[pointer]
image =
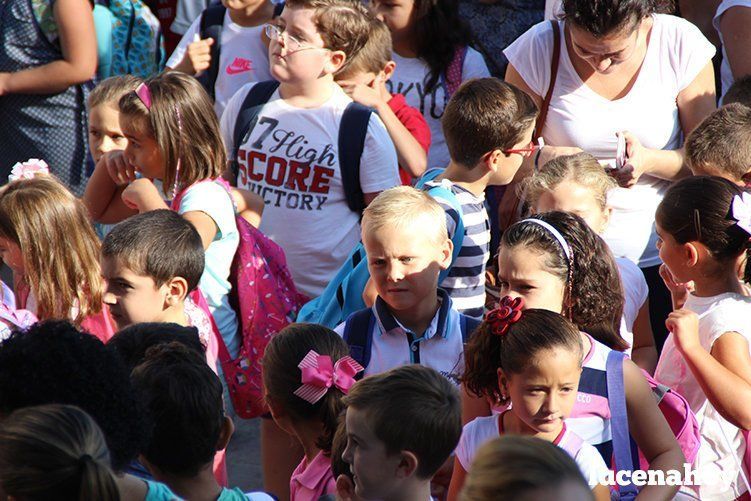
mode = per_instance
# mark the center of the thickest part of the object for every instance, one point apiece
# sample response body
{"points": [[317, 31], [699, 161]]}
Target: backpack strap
{"points": [[352, 131], [452, 77], [553, 77], [247, 118], [358, 334], [428, 176], [467, 325], [619, 420], [458, 238], [212, 22]]}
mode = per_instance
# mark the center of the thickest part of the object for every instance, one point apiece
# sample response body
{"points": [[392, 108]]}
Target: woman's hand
{"points": [[636, 162]]}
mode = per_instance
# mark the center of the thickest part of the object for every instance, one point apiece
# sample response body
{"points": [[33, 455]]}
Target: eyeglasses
{"points": [[525, 152], [274, 32]]}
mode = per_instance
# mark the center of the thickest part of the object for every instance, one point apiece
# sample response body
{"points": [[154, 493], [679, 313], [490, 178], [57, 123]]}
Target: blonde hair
{"points": [[55, 452], [112, 89], [580, 168], [183, 123], [510, 466], [374, 55], [402, 207], [59, 247]]}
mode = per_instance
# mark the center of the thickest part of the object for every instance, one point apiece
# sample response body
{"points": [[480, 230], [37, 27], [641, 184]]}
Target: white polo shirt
{"points": [[440, 347]]}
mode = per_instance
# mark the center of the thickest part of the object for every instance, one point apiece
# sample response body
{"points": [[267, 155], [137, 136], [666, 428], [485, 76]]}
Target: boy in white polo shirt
{"points": [[412, 320]]}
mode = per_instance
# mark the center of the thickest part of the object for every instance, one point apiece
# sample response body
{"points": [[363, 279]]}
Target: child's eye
{"points": [[407, 259], [377, 262], [94, 133]]}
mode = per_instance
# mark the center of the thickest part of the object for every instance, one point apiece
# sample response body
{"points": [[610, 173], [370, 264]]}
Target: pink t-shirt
{"points": [[312, 480]]}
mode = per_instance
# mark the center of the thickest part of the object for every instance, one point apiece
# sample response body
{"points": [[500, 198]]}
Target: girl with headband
{"points": [[555, 262], [306, 372], [537, 362]]}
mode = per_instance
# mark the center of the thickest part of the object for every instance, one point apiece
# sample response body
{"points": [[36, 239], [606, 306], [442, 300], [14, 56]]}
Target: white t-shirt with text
{"points": [[243, 58], [291, 159]]}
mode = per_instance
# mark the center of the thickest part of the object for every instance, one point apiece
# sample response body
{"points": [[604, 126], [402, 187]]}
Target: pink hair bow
{"points": [[28, 169], [319, 374]]}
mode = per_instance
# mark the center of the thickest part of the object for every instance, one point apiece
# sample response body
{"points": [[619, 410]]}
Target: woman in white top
{"points": [[733, 23], [623, 69]]}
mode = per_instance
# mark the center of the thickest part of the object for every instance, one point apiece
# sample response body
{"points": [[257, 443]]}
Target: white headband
{"points": [[554, 232]]}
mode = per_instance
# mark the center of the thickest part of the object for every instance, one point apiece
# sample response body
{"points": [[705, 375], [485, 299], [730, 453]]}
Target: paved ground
{"points": [[244, 455]]}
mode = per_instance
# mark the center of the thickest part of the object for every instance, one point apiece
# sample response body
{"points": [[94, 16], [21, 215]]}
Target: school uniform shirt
{"points": [[578, 116], [635, 293], [291, 159], [409, 79], [244, 58], [722, 444], [465, 281], [415, 123], [440, 347], [484, 429], [312, 480]]}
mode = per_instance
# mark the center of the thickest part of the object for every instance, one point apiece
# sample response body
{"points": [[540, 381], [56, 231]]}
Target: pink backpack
{"points": [[265, 300]]}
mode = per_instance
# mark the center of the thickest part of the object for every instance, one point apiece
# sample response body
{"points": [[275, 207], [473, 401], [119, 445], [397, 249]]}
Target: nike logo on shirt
{"points": [[239, 65]]}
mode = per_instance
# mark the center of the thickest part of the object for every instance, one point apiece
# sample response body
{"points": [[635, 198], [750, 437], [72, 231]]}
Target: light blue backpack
{"points": [[137, 40]]}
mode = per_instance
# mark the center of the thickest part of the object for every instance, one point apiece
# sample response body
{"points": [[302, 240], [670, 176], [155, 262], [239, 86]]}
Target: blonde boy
{"points": [[412, 320]]}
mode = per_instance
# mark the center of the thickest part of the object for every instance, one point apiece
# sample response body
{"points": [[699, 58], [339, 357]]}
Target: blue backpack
{"points": [[343, 294], [358, 333], [352, 131], [137, 40]]}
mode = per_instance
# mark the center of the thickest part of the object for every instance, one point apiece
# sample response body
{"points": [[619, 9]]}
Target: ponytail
{"points": [[97, 481]]}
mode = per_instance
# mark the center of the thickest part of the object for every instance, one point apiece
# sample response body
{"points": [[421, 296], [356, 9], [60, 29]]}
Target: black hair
{"points": [[53, 362], [606, 17], [282, 376], [184, 398], [513, 351], [159, 244], [699, 209], [594, 294], [132, 343]]}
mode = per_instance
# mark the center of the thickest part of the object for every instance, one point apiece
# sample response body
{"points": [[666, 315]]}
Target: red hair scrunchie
{"points": [[507, 313]]}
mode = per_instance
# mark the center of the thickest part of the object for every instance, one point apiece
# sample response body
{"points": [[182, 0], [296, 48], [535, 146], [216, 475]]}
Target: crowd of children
{"points": [[290, 223]]}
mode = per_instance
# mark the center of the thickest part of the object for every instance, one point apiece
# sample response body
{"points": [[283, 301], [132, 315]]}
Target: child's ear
{"points": [[502, 383], [407, 466], [225, 434], [387, 71], [691, 252], [345, 488], [494, 160], [447, 250], [177, 290], [335, 62]]}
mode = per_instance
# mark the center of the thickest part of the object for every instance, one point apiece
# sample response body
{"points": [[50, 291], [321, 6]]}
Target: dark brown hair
{"points": [[739, 92], [183, 123], [159, 244], [344, 25], [699, 209], [412, 408], [536, 330], [721, 144], [54, 452], [483, 115], [594, 296], [282, 376], [607, 17]]}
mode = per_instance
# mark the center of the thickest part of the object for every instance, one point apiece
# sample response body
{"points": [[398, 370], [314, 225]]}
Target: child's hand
{"points": [[118, 167], [635, 166], [684, 324], [679, 291], [198, 56], [367, 95], [143, 196]]}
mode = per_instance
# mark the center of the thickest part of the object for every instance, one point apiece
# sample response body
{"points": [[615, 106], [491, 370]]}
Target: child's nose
{"points": [[109, 298], [396, 273]]}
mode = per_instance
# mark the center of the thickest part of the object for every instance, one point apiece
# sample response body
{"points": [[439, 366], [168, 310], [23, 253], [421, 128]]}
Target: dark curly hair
{"points": [[281, 376], [594, 295], [606, 17], [513, 351], [132, 343], [53, 362]]}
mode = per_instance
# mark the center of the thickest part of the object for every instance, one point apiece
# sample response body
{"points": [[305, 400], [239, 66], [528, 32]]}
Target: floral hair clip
{"points": [[319, 374], [28, 169], [508, 312], [741, 211]]}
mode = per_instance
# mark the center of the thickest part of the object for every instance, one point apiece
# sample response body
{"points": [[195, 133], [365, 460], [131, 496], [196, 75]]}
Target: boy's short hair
{"points": [[132, 343], [739, 92], [112, 89], [344, 25], [483, 115], [401, 207], [721, 144], [374, 55], [412, 408], [159, 244], [184, 398]]}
